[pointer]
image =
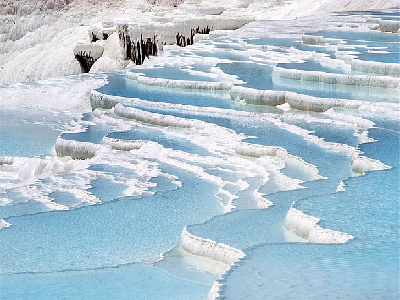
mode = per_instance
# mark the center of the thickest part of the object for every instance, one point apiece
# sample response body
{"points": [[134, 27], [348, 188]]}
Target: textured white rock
{"points": [[4, 224], [259, 97], [156, 119], [306, 227], [362, 164], [210, 249], [334, 78], [391, 69], [180, 84], [76, 149], [123, 145], [389, 26]]}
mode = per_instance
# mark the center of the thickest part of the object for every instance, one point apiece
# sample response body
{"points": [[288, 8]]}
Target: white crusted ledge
{"points": [[335, 78], [76, 149], [210, 249], [306, 227]]}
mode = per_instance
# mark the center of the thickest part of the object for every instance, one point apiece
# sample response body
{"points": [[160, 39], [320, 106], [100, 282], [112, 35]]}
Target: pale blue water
{"points": [[310, 65], [226, 44], [272, 41], [315, 48], [136, 281], [369, 36], [21, 208], [391, 18], [364, 268], [34, 135], [127, 88], [107, 190], [318, 89], [365, 42], [333, 133], [374, 51], [93, 133], [65, 198], [254, 75], [234, 56], [112, 249], [175, 73], [381, 14], [154, 134], [110, 234]]}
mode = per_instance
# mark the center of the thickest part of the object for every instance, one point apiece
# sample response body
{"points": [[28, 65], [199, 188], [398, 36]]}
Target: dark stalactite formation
{"points": [[86, 61], [125, 42], [140, 49], [94, 37], [183, 41]]}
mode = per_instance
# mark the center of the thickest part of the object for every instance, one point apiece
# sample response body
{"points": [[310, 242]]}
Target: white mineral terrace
{"points": [[332, 78], [155, 118], [306, 227], [76, 149], [123, 145], [391, 69], [389, 26], [210, 249], [4, 224], [180, 84], [254, 150]]}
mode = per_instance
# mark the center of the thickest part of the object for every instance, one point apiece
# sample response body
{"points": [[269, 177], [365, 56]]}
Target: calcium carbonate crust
{"points": [[209, 248], [333, 78], [306, 227], [180, 84], [257, 151], [76, 149], [4, 224]]}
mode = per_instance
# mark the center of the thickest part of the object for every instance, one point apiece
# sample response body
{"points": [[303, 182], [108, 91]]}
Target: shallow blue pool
{"points": [[120, 86], [174, 73], [30, 128]]}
